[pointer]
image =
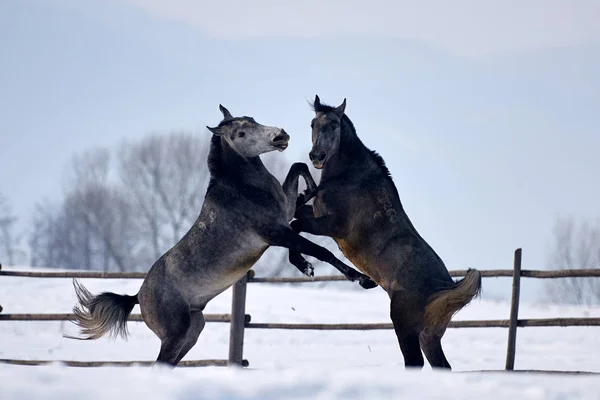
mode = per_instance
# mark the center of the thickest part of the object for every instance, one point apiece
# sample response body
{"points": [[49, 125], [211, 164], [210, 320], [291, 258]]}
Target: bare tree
{"points": [[100, 214], [43, 251], [8, 239], [93, 227], [166, 177], [575, 245]]}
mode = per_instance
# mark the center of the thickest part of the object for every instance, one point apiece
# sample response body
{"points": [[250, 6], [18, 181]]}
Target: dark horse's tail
{"points": [[444, 304], [101, 314]]}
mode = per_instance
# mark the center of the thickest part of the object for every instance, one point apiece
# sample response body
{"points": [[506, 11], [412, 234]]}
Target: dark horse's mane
{"points": [[324, 108]]}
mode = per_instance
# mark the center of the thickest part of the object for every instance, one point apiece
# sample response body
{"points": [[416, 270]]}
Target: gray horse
{"points": [[357, 204], [245, 211]]}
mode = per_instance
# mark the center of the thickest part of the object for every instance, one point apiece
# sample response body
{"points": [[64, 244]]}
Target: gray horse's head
{"points": [[326, 132], [249, 138]]}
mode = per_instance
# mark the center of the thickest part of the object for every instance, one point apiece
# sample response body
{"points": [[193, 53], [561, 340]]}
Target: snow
{"points": [[295, 364]]}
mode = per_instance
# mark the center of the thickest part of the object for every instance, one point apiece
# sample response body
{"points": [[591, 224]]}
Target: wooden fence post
{"points": [[238, 322], [514, 312]]}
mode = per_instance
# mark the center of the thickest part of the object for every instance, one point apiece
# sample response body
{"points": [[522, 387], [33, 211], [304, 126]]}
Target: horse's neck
{"points": [[352, 156], [251, 171]]}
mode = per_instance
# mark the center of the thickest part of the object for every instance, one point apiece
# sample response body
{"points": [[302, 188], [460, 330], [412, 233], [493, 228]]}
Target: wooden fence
{"points": [[239, 320]]}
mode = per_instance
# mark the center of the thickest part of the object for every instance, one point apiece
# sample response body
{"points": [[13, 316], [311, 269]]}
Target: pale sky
{"points": [[487, 113], [471, 28]]}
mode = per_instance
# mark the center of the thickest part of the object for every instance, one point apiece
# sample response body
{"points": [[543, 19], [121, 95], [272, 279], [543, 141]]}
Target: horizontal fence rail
{"points": [[489, 273], [188, 363], [226, 318], [76, 274], [493, 323], [132, 317]]}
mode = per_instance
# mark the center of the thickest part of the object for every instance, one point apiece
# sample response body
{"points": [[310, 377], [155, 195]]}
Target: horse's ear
{"points": [[217, 131], [226, 114], [339, 111], [317, 102]]}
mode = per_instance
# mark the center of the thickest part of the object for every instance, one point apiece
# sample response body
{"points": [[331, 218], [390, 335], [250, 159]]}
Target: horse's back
{"points": [[379, 238]]}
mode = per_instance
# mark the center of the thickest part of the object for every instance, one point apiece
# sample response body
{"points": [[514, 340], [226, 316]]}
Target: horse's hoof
{"points": [[367, 283], [308, 270]]}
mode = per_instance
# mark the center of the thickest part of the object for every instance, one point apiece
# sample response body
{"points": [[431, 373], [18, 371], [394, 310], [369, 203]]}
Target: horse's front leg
{"points": [[286, 237], [297, 202], [295, 257], [290, 187], [304, 212], [323, 226], [326, 225]]}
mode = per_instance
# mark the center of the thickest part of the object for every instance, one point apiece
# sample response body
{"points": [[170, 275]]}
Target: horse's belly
{"points": [[236, 264], [357, 255], [222, 269]]}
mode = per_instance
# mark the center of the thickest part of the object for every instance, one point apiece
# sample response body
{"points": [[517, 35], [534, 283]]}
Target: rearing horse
{"points": [[357, 204]]}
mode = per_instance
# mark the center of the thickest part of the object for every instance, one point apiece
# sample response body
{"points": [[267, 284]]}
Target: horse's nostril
{"points": [[316, 156], [280, 138]]}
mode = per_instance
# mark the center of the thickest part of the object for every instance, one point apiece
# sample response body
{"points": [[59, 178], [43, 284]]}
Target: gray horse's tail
{"points": [[444, 304], [101, 314]]}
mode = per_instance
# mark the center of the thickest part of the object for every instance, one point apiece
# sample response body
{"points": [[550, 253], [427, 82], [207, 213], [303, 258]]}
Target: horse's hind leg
{"points": [[169, 317], [174, 338], [407, 319], [431, 343], [196, 327]]}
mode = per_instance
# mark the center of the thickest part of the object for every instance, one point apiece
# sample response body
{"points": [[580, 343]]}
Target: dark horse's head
{"points": [[247, 137], [326, 132]]}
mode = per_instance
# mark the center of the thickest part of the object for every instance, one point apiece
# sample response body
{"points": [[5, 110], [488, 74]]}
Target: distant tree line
{"points": [[575, 245], [122, 208], [10, 250]]}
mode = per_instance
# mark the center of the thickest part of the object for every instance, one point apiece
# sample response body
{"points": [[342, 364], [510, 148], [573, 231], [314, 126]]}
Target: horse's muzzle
{"points": [[317, 158], [280, 141]]}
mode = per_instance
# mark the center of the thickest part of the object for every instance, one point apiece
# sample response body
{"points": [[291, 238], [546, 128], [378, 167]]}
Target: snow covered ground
{"points": [[292, 364]]}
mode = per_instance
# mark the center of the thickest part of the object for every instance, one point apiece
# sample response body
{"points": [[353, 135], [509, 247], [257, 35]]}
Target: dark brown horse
{"points": [[357, 205]]}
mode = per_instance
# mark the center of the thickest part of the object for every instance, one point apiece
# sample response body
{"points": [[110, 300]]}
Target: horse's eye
{"points": [[241, 134]]}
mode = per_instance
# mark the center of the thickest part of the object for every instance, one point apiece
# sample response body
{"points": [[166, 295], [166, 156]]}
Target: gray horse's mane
{"points": [[215, 156]]}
